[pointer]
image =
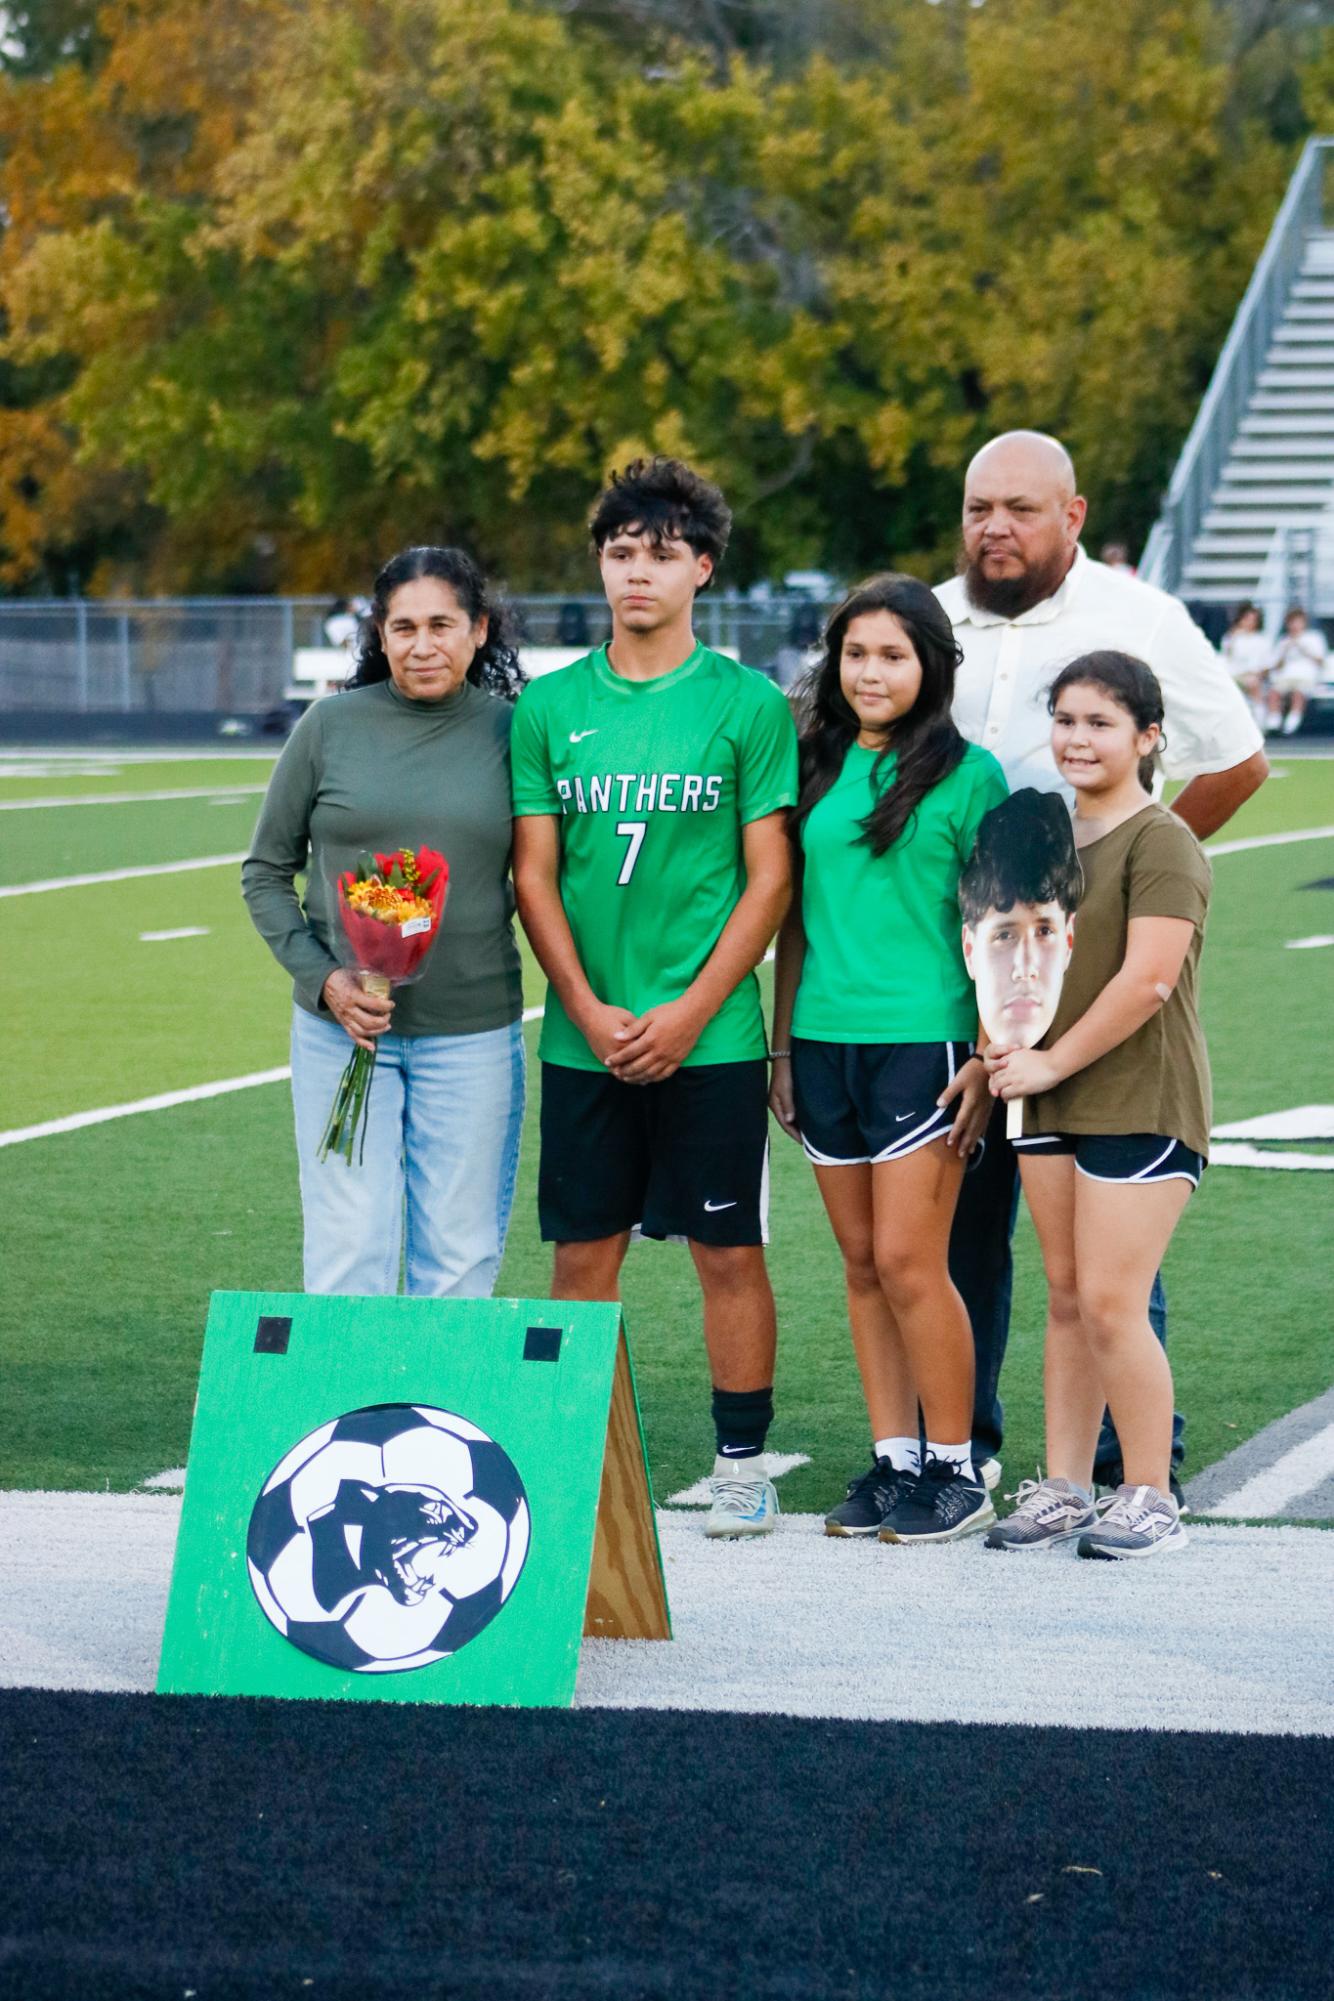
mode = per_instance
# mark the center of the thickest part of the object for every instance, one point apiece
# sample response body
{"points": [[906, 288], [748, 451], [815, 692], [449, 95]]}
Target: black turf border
{"points": [[164, 1847]]}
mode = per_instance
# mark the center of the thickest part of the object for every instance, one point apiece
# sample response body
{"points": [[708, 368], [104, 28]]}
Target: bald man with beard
{"points": [[1029, 599]]}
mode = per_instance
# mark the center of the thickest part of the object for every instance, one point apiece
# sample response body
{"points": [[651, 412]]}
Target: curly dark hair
{"points": [[495, 665], [1125, 680], [1024, 853], [667, 501], [927, 744]]}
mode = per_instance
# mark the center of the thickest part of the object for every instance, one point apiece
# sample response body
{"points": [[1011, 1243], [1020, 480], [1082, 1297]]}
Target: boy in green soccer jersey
{"points": [[652, 782]]}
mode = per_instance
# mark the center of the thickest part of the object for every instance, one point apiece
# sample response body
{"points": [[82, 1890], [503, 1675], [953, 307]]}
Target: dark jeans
{"points": [[982, 1267]]}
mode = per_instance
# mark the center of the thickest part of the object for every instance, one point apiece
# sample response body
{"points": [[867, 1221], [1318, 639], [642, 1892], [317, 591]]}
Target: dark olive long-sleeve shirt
{"points": [[373, 770]]}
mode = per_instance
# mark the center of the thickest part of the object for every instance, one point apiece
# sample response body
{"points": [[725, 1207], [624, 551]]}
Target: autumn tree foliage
{"points": [[288, 283]]}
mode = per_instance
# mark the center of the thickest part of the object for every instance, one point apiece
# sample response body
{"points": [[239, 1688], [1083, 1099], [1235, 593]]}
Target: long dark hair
{"points": [[1129, 683], [926, 741], [495, 665]]}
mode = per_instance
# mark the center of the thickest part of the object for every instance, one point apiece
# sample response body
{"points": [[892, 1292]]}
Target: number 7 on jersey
{"points": [[632, 831]]}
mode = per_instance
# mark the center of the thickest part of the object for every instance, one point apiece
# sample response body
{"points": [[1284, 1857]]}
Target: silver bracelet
{"points": [[779, 1055]]}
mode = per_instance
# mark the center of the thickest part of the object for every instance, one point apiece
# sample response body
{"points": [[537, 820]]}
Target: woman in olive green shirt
{"points": [[1116, 1118], [414, 753]]}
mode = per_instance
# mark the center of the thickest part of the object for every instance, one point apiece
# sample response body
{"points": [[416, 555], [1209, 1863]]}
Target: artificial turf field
{"points": [[242, 1850], [116, 1233]]}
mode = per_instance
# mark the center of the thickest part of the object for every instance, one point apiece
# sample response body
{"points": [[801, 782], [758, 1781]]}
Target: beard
{"points": [[1011, 597]]}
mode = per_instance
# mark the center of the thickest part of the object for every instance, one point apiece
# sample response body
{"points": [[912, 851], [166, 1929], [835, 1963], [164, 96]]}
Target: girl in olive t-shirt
{"points": [[875, 1021], [1116, 1118]]}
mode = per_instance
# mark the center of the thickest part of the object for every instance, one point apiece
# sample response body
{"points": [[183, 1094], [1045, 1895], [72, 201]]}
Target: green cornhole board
{"points": [[410, 1500]]}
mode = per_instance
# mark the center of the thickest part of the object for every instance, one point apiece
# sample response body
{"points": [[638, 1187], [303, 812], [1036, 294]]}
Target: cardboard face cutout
{"points": [[1018, 895], [1017, 958]]}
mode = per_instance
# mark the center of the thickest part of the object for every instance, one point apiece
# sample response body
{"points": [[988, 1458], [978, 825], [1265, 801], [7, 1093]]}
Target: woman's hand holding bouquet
{"points": [[389, 907]]}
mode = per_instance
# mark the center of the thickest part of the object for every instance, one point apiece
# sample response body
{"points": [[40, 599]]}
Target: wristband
{"points": [[780, 1055]]}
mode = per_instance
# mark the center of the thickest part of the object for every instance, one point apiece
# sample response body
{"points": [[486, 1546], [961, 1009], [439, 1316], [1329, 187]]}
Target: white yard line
{"points": [[1269, 841], [1310, 944], [134, 798], [1302, 1122], [163, 1101], [1268, 1493], [68, 759], [185, 931], [1230, 1154], [121, 875]]}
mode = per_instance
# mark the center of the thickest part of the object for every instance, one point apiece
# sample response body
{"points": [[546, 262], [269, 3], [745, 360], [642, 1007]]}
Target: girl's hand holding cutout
{"points": [[1021, 1073]]}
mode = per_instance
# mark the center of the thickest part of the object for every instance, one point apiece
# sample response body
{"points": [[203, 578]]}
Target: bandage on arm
{"points": [[1156, 949]]}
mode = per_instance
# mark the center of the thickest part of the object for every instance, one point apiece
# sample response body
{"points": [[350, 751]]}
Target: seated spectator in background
{"points": [[572, 624], [1117, 557], [1299, 661], [344, 623], [1249, 656], [799, 650]]}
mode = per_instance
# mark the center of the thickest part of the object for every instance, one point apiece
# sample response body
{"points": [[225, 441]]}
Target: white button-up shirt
{"points": [[1000, 698]]}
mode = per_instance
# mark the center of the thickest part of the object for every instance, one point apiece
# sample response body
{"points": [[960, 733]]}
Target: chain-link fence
{"points": [[234, 656]]}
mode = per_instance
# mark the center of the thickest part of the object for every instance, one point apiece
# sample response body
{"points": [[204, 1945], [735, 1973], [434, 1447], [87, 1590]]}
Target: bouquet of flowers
{"points": [[390, 908]]}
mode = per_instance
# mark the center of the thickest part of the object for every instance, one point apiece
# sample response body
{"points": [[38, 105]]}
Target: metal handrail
{"points": [[1235, 374]]}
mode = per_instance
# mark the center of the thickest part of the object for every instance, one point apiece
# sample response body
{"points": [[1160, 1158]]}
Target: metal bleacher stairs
{"points": [[1249, 512]]}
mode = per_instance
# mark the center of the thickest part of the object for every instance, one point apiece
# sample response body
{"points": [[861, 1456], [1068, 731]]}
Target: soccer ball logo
{"points": [[388, 1538]]}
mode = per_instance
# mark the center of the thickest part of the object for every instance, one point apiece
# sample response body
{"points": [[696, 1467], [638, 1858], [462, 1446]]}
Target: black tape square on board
{"points": [[541, 1344], [272, 1334]]}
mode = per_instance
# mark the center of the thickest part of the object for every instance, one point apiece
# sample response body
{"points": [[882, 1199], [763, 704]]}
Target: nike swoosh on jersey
{"points": [[712, 1208], [577, 736], [899, 1117]]}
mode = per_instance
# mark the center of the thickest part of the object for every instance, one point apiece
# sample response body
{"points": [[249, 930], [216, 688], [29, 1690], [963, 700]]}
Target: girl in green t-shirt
{"points": [[1116, 1119], [875, 1023]]}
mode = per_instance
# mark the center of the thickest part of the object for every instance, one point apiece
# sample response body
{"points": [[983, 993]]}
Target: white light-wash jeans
{"points": [[437, 1178]]}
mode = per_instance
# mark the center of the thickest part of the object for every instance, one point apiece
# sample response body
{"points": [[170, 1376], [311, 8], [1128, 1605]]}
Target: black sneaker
{"points": [[939, 1506], [869, 1499]]}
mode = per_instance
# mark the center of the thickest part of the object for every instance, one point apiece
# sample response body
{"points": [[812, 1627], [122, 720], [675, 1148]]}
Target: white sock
{"points": [[903, 1454], [960, 1457], [754, 1468]]}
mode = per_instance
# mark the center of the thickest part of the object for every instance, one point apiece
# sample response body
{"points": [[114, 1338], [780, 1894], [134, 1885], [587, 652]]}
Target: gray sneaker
{"points": [[741, 1507], [1135, 1521], [1049, 1513]]}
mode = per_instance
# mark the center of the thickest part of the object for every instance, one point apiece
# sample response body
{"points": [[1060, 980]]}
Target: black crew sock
{"points": [[741, 1420]]}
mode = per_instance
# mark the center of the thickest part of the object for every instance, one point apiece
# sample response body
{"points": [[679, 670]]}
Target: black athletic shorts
{"points": [[860, 1102], [1121, 1156], [685, 1158]]}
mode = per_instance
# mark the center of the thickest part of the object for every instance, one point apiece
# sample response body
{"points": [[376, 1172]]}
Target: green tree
{"points": [[291, 282]]}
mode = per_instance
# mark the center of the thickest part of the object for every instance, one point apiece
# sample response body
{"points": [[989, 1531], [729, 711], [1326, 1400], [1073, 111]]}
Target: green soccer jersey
{"points": [[884, 951], [653, 782]]}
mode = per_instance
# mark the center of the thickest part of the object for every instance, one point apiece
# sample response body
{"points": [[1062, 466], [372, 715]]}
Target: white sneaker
{"points": [[989, 1473], [1292, 722], [1136, 1521], [741, 1507]]}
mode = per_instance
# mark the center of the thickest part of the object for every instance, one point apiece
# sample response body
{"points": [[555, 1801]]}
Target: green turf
{"points": [[63, 776], [120, 1019], [115, 1235], [41, 846], [1300, 794]]}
